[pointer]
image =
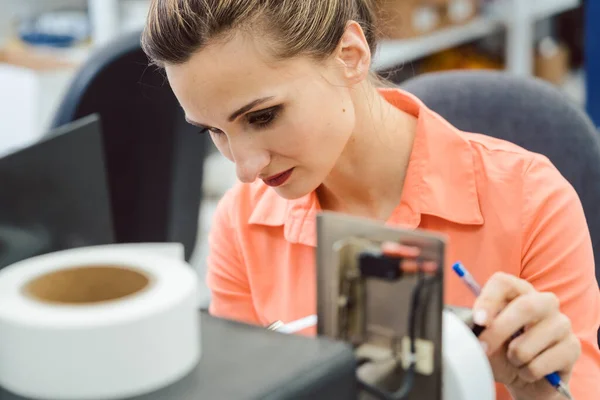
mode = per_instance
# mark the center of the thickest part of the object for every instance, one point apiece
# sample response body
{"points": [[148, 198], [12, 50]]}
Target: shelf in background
{"points": [[516, 15], [574, 87], [396, 52], [547, 8], [532, 10]]}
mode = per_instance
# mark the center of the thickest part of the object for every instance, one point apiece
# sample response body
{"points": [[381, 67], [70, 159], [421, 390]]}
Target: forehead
{"points": [[229, 74]]}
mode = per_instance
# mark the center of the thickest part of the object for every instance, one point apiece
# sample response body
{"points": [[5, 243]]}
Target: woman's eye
{"points": [[260, 119], [263, 118], [214, 131]]}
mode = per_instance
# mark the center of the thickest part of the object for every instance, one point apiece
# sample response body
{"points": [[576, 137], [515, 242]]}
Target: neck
{"points": [[369, 176]]}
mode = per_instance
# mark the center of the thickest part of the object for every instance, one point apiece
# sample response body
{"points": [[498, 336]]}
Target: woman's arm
{"points": [[557, 257], [227, 279], [556, 298]]}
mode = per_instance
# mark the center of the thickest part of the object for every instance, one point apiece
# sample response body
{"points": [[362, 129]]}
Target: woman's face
{"points": [[285, 122]]}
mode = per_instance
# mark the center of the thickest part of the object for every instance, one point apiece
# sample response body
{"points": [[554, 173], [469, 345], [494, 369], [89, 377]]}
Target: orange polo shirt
{"points": [[502, 208]]}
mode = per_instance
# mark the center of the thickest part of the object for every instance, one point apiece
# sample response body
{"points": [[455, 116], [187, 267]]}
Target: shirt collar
{"points": [[440, 181]]}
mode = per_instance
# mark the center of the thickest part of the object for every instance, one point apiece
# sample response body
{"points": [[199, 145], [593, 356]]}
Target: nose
{"points": [[249, 162]]}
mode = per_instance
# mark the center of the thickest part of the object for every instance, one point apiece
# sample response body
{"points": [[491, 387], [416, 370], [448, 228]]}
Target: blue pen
{"points": [[467, 278]]}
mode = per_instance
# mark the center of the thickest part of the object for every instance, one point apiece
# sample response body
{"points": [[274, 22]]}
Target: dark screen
{"points": [[54, 195]]}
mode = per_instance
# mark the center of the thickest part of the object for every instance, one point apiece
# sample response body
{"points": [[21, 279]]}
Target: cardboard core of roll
{"points": [[87, 284]]}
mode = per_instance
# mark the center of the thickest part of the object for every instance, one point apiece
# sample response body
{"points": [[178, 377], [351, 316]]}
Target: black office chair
{"points": [[530, 113], [154, 158]]}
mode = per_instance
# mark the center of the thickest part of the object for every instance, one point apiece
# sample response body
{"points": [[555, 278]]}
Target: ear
{"points": [[353, 54]]}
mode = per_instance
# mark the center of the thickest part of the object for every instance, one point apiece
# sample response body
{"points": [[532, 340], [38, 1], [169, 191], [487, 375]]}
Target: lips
{"points": [[279, 179]]}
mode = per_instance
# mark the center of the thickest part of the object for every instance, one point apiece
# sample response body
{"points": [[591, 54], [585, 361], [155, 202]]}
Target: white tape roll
{"points": [[467, 374], [104, 322]]}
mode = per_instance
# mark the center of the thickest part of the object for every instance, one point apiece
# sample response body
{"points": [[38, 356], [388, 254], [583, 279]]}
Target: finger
{"points": [[525, 310], [539, 337], [399, 250], [500, 290], [561, 357]]}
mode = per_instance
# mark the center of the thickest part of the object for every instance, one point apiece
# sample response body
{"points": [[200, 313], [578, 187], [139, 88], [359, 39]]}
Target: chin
{"points": [[294, 190], [290, 193]]}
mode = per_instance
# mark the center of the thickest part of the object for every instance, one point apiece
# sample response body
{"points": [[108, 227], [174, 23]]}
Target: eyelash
{"points": [[254, 119], [270, 113]]}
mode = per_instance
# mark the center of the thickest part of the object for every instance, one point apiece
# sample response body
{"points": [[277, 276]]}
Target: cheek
{"points": [[332, 112], [331, 124], [296, 139], [314, 131]]}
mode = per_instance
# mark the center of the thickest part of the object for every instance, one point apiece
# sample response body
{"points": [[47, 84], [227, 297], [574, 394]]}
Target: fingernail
{"points": [[480, 317], [484, 346]]}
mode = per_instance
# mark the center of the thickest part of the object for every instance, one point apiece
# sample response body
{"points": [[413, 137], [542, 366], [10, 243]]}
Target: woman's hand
{"points": [[506, 305]]}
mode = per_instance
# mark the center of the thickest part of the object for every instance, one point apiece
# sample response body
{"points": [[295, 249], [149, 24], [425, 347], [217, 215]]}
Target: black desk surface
{"points": [[244, 362]]}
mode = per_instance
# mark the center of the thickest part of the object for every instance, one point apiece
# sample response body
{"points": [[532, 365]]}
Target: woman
{"points": [[284, 90]]}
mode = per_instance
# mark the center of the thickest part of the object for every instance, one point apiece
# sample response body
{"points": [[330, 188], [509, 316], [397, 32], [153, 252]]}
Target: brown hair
{"points": [[176, 29]]}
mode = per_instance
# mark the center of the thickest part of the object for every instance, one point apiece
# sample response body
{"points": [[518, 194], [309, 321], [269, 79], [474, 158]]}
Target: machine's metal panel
{"points": [[386, 304]]}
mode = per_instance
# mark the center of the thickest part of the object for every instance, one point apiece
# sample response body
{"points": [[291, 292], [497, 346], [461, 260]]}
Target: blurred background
{"points": [[43, 43]]}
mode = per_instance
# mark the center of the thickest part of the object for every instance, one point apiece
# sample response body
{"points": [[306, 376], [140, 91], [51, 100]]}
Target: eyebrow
{"points": [[236, 113], [248, 107]]}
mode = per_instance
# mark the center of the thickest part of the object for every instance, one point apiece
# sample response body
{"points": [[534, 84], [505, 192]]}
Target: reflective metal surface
{"points": [[377, 321]]}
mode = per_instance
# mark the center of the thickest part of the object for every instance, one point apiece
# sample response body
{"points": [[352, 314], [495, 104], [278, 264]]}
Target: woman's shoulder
{"points": [[510, 177], [499, 161], [491, 150]]}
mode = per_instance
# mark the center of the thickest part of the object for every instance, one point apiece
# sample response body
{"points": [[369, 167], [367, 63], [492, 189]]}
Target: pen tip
{"points": [[564, 390]]}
